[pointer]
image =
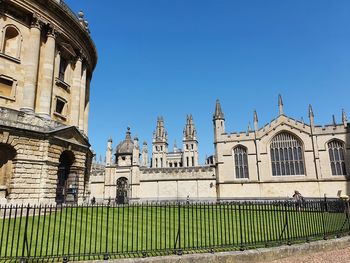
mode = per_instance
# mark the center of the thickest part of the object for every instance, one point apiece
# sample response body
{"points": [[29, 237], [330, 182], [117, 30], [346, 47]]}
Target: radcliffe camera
{"points": [[151, 130]]}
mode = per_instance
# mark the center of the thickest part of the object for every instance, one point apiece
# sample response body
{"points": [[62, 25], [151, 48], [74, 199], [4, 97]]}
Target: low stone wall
{"points": [[248, 256]]}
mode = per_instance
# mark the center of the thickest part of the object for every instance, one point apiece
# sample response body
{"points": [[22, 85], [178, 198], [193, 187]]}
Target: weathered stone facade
{"points": [[46, 62], [272, 161]]}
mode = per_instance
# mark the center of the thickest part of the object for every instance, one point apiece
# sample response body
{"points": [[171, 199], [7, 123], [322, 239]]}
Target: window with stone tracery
{"points": [[287, 156], [336, 157], [241, 162]]}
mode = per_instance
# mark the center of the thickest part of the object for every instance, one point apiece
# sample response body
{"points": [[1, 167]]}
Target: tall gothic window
{"points": [[241, 162], [336, 156], [286, 155]]}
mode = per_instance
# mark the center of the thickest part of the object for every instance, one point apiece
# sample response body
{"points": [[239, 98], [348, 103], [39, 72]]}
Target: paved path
{"points": [[336, 256]]}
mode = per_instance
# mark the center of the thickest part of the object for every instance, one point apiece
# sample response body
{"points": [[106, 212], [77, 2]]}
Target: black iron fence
{"points": [[66, 233]]}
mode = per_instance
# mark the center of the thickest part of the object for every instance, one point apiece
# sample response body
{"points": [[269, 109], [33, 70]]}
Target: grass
{"points": [[137, 230]]}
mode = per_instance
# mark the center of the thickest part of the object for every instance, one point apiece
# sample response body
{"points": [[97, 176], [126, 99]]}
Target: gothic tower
{"points": [[190, 144], [219, 121], [160, 145]]}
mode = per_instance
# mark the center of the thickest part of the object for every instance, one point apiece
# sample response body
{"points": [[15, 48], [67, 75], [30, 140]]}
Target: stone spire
{"points": [[160, 134], [256, 121], [344, 118], [280, 105], [175, 147], [189, 132], [311, 116], [218, 112]]}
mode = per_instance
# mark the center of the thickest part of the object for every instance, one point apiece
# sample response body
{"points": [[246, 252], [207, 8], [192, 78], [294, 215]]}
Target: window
{"points": [[192, 161], [62, 69], [60, 107], [156, 162], [12, 42], [161, 162], [186, 146], [286, 155], [241, 162], [7, 87], [192, 146], [336, 156]]}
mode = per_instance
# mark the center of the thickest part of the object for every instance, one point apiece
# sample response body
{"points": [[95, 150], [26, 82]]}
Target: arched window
{"points": [[336, 156], [11, 45], [7, 156], [286, 155], [241, 162]]}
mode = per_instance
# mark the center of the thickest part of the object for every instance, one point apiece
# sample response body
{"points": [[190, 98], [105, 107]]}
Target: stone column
{"points": [[86, 117], [44, 103], [31, 67], [75, 93], [82, 100]]}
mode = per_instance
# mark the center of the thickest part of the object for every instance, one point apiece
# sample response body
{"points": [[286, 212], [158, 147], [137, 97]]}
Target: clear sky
{"points": [[174, 57]]}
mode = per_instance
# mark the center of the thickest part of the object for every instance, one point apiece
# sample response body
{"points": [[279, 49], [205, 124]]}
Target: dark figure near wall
{"points": [[299, 200]]}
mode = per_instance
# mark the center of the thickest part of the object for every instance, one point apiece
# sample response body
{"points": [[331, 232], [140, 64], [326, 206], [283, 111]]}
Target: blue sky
{"points": [[171, 58]]}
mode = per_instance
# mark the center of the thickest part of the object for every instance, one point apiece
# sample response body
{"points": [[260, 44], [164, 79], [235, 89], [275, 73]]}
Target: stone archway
{"points": [[65, 179], [7, 154], [122, 191]]}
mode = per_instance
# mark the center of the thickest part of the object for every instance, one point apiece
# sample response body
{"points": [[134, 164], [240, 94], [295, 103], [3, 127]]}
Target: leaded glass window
{"points": [[241, 162], [336, 156], [286, 155]]}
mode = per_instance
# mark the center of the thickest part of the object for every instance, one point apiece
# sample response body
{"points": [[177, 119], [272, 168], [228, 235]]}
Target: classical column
{"points": [[86, 117], [31, 67], [44, 103], [82, 99], [75, 93]]}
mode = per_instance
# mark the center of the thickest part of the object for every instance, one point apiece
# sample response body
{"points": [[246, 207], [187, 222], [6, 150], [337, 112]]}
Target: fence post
{"points": [[286, 224], [25, 239], [240, 225], [322, 218], [106, 256]]}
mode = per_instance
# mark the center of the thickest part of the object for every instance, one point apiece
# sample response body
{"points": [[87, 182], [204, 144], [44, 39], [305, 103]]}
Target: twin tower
{"points": [[161, 157]]}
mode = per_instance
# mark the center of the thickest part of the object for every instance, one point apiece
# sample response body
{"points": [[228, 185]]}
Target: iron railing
{"points": [[66, 233]]}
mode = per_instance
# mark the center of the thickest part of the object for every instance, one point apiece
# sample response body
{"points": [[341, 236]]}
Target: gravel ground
{"points": [[337, 256]]}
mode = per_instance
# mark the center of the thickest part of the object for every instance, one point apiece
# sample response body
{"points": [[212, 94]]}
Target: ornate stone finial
{"points": [[311, 112], [218, 112], [256, 121], [144, 143], [280, 105], [249, 127], [81, 14], [110, 139], [344, 117]]}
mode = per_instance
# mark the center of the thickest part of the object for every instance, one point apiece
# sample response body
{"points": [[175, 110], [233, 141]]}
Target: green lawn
{"points": [[154, 229]]}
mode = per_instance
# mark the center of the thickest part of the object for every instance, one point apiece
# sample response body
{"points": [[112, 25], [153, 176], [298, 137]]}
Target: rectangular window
{"points": [[60, 107], [62, 69], [7, 87]]}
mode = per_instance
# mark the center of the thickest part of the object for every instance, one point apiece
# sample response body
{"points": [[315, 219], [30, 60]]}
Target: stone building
{"points": [[47, 58], [168, 176], [283, 156], [270, 161]]}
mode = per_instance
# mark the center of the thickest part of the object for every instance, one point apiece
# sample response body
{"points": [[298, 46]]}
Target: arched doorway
{"points": [[64, 177], [122, 190], [7, 154]]}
